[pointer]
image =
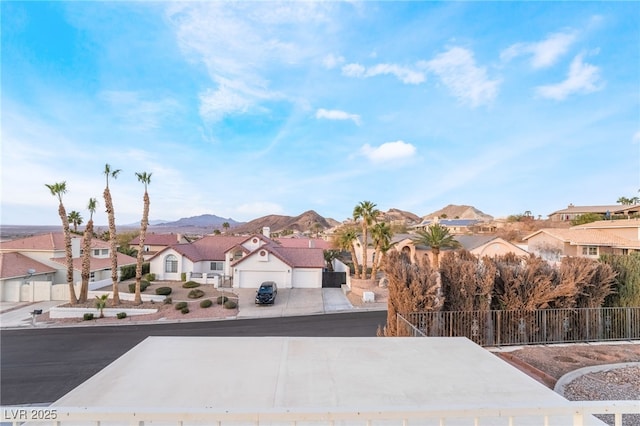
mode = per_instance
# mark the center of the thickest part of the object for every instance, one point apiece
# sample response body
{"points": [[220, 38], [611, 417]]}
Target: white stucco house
{"points": [[34, 268], [245, 261]]}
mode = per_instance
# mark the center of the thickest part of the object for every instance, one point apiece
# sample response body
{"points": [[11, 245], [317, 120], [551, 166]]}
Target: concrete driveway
{"points": [[293, 301]]}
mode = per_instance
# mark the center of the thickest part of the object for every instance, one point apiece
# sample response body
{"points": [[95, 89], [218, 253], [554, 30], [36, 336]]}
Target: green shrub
{"points": [[184, 310], [150, 277], [190, 284], [143, 286], [221, 300], [206, 303], [168, 301], [127, 271], [195, 294], [183, 276], [87, 317], [230, 304], [121, 315], [180, 305], [163, 291]]}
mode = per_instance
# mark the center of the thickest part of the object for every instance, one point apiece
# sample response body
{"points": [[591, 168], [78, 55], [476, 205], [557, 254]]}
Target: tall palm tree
{"points": [[225, 226], [58, 189], [367, 213], [75, 219], [381, 234], [436, 236], [109, 172], [144, 178], [86, 251], [345, 239]]}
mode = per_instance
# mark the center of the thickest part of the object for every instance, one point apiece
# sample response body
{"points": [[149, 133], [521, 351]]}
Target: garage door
{"points": [[253, 279]]}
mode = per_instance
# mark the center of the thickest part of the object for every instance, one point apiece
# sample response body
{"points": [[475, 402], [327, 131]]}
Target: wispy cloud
{"points": [[389, 152], [335, 114], [331, 61], [404, 74], [582, 78], [544, 53], [138, 111], [458, 71]]}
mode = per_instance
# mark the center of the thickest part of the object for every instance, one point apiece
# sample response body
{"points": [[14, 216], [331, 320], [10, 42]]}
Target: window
{"points": [[171, 264], [96, 252], [105, 252], [92, 277], [216, 266], [589, 251]]}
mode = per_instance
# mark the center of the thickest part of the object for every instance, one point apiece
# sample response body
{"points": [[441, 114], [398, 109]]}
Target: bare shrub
{"points": [[467, 282]]}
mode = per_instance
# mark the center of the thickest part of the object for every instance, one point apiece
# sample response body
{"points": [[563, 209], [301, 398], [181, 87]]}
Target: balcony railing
{"points": [[565, 413], [503, 328]]}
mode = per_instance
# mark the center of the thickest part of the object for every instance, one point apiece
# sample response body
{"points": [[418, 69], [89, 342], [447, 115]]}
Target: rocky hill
{"points": [[278, 223], [202, 221], [397, 215], [453, 211]]}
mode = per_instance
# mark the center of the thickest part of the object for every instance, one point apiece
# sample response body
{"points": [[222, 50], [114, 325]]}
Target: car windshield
{"points": [[265, 289]]}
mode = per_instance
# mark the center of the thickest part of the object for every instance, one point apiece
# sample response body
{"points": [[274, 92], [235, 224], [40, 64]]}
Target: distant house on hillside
{"points": [[153, 243], [455, 226], [247, 261], [588, 240], [572, 212], [34, 268]]}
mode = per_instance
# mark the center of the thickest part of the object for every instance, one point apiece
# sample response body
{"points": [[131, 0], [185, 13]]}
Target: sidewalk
{"points": [[289, 302]]}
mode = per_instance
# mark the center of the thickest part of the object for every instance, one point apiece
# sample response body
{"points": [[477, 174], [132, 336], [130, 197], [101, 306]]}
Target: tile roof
{"points": [[294, 257], [587, 237], [49, 241], [304, 243], [16, 265], [157, 239], [469, 242], [592, 209], [618, 223]]}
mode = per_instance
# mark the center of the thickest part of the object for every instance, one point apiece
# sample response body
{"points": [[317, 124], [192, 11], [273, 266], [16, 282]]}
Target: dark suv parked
{"points": [[266, 294]]}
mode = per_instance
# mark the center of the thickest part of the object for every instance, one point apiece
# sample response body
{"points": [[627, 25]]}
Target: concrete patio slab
{"points": [[263, 374]]}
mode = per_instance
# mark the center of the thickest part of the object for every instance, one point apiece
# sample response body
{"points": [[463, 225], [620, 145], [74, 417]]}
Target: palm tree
{"points": [[225, 226], [625, 201], [366, 212], [144, 178], [381, 234], [345, 239], [109, 172], [436, 236], [86, 251], [75, 219], [58, 189]]}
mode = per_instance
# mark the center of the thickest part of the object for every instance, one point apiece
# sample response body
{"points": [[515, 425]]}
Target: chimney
{"points": [[266, 231], [312, 244]]}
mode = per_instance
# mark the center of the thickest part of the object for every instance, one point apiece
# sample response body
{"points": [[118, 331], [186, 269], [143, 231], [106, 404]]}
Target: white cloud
{"points": [[138, 112], [458, 72], [335, 114], [636, 137], [331, 61], [543, 53], [582, 78], [405, 75], [388, 151]]}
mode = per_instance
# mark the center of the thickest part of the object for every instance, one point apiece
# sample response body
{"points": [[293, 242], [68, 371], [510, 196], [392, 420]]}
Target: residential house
{"points": [[246, 261], [455, 226], [154, 243], [588, 240], [572, 212], [40, 261], [478, 245]]}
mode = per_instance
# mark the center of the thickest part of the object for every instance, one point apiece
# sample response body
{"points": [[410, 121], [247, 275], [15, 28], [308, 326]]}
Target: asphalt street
{"points": [[38, 366]]}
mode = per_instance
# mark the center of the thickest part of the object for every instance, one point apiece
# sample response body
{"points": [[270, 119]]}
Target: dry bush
{"points": [[467, 282], [592, 280], [412, 288]]}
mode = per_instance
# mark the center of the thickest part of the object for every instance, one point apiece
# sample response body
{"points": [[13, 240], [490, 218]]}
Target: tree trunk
{"points": [[86, 261], [112, 246], [363, 275], [356, 266], [68, 254], [376, 262], [143, 233], [436, 254]]}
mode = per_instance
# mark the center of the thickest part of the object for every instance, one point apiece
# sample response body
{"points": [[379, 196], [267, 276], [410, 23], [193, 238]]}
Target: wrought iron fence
{"points": [[503, 328]]}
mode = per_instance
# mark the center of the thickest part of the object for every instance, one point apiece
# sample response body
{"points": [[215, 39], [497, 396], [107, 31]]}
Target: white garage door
{"points": [[305, 278], [253, 279]]}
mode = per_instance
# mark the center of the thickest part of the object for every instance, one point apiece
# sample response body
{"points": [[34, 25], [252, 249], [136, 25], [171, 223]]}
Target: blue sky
{"points": [[253, 108]]}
